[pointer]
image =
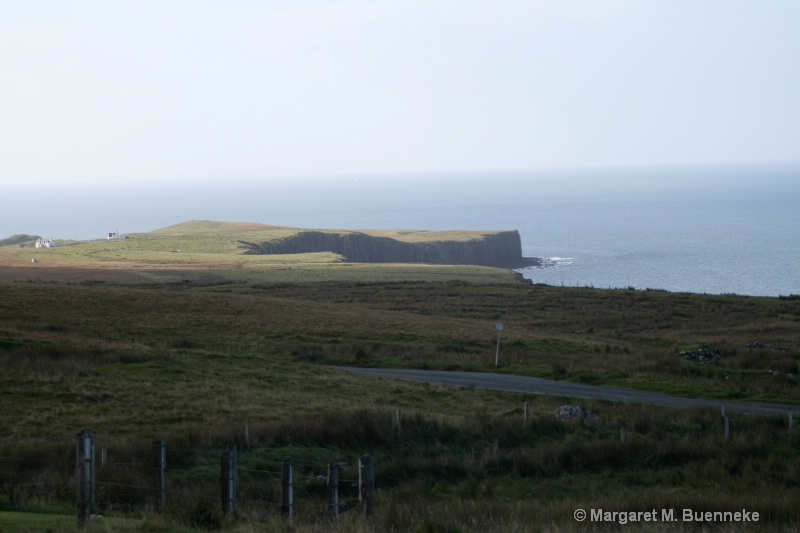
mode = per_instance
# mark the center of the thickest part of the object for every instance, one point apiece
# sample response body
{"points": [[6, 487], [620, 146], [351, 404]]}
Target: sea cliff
{"points": [[500, 249]]}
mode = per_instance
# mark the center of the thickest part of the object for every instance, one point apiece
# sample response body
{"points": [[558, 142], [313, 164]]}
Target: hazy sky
{"points": [[157, 91]]}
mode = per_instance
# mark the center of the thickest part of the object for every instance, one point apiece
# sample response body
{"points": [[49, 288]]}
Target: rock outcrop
{"points": [[497, 249], [704, 355]]}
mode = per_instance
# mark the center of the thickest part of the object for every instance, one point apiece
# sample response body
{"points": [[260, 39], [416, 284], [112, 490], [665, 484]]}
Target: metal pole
{"points": [[333, 488], [288, 488], [83, 471], [497, 352], [92, 479], [229, 481], [224, 476], [160, 476]]}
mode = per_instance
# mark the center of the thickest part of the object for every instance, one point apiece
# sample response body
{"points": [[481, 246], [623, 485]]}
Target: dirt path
{"points": [[513, 383]]}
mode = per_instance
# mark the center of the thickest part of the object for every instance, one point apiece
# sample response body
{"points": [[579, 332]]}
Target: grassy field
{"points": [[206, 354]]}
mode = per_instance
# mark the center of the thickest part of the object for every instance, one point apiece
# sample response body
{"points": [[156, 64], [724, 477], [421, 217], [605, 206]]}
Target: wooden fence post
{"points": [[399, 422], [160, 476], [333, 488], [229, 479], [623, 434], [525, 415], [366, 484], [287, 483], [727, 428], [93, 476], [83, 474]]}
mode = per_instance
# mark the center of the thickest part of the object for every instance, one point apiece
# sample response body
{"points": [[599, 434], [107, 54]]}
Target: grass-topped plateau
{"points": [[207, 251], [183, 336]]}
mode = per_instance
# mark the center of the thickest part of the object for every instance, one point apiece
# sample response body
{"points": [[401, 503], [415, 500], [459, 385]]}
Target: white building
{"points": [[46, 243]]}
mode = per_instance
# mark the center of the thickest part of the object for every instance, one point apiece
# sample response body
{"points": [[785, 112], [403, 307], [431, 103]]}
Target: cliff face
{"points": [[501, 249]]}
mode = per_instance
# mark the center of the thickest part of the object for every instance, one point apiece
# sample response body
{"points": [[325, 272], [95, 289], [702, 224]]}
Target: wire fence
{"points": [[38, 472], [187, 483]]}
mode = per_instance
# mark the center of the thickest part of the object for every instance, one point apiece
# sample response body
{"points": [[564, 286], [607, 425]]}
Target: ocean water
{"points": [[706, 230]]}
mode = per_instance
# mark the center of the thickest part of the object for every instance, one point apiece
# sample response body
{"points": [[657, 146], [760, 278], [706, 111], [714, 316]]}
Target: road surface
{"points": [[508, 382]]}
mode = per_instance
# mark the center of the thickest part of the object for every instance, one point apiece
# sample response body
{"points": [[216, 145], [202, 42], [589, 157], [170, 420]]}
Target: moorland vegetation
{"points": [[207, 348]]}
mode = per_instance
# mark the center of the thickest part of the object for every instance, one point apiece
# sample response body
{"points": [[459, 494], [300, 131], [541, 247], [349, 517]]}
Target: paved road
{"points": [[507, 382]]}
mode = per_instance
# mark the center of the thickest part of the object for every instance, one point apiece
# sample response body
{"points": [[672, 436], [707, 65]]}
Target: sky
{"points": [[168, 91]]}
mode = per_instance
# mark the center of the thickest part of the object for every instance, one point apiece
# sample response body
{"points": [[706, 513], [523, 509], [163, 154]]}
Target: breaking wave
{"points": [[547, 262]]}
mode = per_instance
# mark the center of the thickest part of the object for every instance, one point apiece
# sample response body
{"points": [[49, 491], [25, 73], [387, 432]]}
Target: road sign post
{"points": [[499, 328]]}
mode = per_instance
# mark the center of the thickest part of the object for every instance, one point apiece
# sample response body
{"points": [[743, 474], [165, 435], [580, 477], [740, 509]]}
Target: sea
{"points": [[713, 229]]}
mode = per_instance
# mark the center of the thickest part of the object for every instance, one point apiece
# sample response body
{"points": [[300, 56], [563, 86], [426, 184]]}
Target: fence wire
{"points": [[124, 480]]}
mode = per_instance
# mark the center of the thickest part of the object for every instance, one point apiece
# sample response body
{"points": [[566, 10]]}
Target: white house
{"points": [[46, 243], [113, 236]]}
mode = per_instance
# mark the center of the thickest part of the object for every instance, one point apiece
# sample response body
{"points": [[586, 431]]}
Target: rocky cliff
{"points": [[497, 249]]}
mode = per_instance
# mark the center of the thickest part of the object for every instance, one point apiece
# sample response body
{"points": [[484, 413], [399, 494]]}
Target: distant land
{"points": [[19, 239], [204, 250], [499, 249]]}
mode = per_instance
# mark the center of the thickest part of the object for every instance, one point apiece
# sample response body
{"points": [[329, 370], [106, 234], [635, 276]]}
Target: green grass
{"points": [[64, 521], [206, 230], [32, 521], [442, 469], [36, 521], [205, 348], [423, 325]]}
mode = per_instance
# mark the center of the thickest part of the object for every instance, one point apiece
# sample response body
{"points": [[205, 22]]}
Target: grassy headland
{"points": [[207, 251], [196, 349]]}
